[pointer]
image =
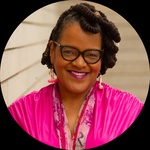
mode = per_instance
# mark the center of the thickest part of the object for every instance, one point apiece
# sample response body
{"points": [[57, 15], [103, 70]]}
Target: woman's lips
{"points": [[78, 75]]}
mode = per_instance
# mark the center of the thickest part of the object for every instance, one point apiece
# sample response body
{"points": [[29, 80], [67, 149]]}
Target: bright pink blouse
{"points": [[112, 112]]}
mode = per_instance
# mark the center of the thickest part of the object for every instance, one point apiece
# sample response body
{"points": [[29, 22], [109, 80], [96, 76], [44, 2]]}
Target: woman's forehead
{"points": [[75, 36], [75, 30]]}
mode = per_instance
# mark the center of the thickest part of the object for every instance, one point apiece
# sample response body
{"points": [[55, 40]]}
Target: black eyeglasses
{"points": [[69, 53]]}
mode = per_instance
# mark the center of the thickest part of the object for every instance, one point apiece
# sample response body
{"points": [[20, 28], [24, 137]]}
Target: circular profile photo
{"points": [[77, 75]]}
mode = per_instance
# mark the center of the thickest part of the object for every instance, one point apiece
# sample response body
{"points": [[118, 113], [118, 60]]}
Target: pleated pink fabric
{"points": [[114, 112]]}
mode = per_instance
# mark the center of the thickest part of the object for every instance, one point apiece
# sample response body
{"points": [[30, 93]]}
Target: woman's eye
{"points": [[68, 52], [91, 55]]}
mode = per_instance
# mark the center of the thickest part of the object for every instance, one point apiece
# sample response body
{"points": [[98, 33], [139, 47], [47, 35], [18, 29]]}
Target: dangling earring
{"points": [[100, 82], [52, 79]]}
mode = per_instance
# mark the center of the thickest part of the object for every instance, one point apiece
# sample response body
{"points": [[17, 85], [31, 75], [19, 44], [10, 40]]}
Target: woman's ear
{"points": [[51, 46]]}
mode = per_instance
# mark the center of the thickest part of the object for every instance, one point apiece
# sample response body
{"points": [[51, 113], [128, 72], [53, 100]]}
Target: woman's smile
{"points": [[78, 74]]}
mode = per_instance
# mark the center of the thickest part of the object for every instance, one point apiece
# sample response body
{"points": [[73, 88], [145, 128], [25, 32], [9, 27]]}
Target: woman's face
{"points": [[76, 76]]}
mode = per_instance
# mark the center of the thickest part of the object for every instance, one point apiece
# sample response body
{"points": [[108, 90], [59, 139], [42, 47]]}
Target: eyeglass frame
{"points": [[79, 53]]}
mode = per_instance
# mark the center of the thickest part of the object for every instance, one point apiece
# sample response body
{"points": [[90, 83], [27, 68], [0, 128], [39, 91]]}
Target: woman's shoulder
{"points": [[108, 88], [110, 93], [35, 95]]}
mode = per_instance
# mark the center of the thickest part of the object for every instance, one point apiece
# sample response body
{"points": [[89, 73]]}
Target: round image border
{"points": [[120, 140]]}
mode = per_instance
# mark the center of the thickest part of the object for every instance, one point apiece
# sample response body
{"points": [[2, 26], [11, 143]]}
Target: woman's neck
{"points": [[72, 98]]}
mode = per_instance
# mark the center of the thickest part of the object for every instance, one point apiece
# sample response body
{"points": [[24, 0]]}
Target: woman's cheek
{"points": [[96, 69]]}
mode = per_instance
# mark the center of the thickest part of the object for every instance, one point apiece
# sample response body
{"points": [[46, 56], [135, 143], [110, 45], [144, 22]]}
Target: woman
{"points": [[75, 108]]}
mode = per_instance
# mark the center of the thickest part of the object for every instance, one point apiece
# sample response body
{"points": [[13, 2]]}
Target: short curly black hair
{"points": [[93, 21]]}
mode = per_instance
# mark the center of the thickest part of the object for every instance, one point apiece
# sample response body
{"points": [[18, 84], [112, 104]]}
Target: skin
{"points": [[73, 91]]}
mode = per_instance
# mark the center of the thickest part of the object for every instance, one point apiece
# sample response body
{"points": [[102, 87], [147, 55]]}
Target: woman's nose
{"points": [[79, 62]]}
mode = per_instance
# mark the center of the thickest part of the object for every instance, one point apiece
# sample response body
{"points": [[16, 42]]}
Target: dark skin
{"points": [[74, 90]]}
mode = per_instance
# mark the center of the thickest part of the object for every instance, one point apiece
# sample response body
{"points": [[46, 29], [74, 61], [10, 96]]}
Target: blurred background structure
{"points": [[22, 71]]}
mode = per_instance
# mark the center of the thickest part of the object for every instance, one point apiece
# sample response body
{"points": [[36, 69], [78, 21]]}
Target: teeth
{"points": [[78, 73]]}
